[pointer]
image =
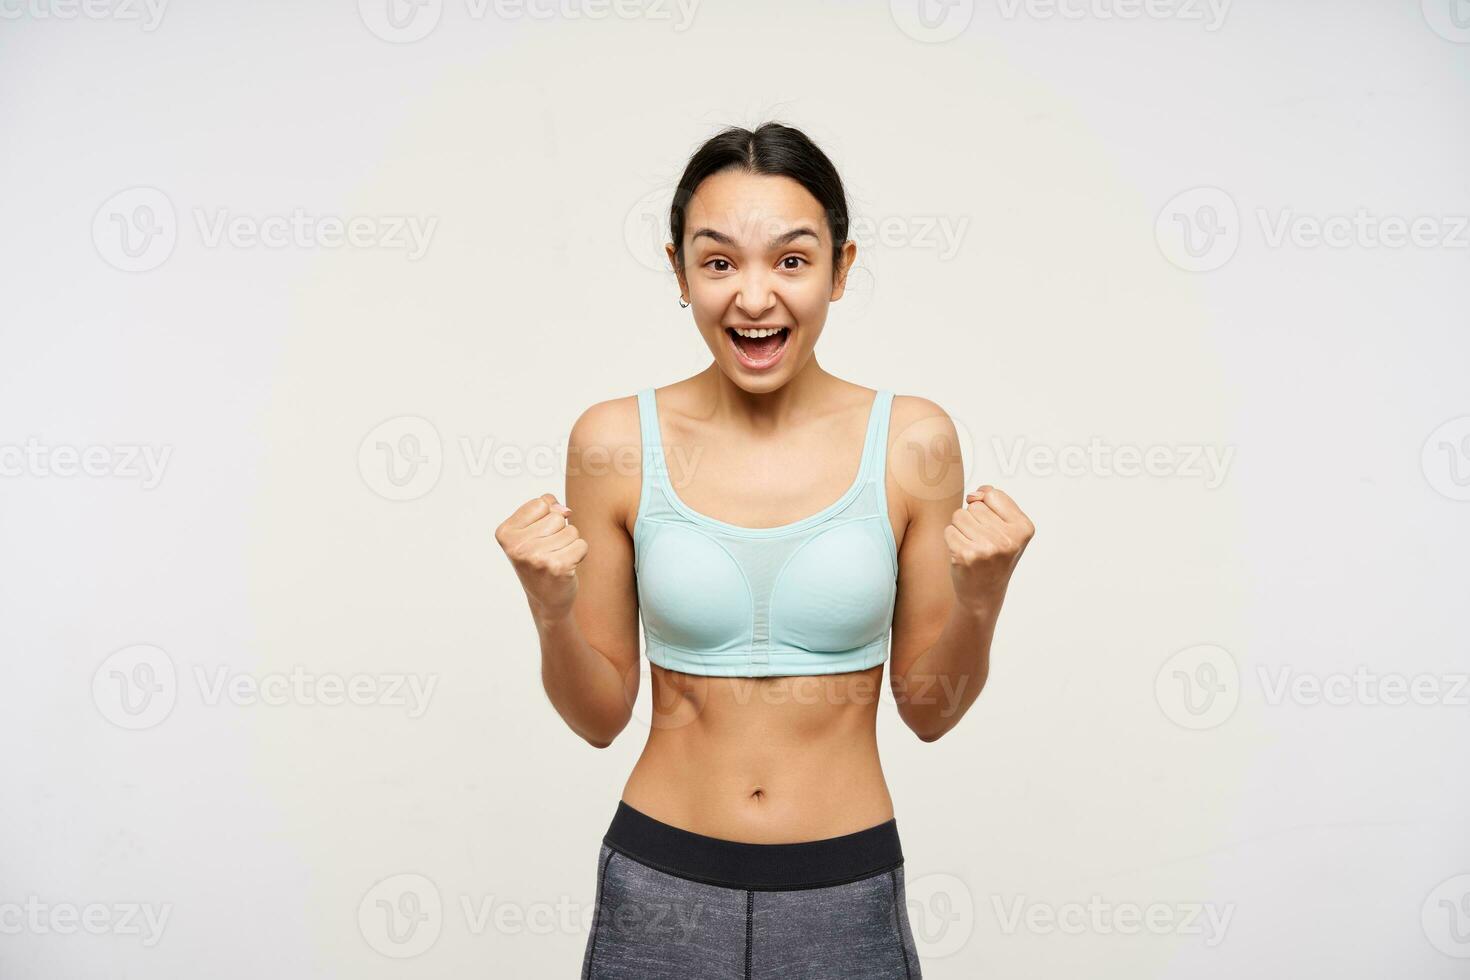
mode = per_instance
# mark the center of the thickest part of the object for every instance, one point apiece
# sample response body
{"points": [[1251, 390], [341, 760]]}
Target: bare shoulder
{"points": [[915, 408], [603, 458], [924, 457], [607, 423]]}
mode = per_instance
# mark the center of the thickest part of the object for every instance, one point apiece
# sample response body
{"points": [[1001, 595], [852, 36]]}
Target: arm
{"points": [[954, 567], [580, 585]]}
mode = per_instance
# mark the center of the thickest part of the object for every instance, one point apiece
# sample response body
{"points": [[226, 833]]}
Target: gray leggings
{"points": [[672, 905]]}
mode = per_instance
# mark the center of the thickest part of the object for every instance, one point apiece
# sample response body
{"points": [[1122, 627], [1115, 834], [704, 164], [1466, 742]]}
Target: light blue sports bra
{"points": [[811, 597]]}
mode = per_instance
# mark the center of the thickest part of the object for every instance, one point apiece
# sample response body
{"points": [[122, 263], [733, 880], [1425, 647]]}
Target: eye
{"points": [[793, 258], [724, 262]]}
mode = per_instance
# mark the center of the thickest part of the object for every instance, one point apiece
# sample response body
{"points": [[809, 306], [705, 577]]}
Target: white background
{"points": [[1054, 142]]}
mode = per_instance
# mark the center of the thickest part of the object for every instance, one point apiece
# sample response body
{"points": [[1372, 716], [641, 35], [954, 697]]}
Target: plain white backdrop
{"points": [[300, 301]]}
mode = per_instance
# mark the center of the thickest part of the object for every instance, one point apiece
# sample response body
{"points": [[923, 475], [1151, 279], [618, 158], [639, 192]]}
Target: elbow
{"points": [[931, 726], [601, 739], [930, 734], [928, 727]]}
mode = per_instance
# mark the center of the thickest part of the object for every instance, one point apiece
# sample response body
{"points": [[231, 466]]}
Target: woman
{"points": [[756, 836]]}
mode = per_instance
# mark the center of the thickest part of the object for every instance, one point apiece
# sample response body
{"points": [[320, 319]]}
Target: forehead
{"points": [[752, 208]]}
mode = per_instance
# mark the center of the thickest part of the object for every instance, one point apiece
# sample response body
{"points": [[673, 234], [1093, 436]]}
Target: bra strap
{"points": [[875, 448], [651, 441]]}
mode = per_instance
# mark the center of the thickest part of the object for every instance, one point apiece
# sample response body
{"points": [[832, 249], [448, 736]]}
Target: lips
{"points": [[759, 354]]}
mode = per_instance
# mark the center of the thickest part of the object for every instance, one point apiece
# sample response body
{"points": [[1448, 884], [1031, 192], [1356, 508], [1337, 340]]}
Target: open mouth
{"points": [[759, 349]]}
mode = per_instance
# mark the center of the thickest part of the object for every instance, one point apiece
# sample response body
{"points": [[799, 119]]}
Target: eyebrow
{"points": [[779, 240]]}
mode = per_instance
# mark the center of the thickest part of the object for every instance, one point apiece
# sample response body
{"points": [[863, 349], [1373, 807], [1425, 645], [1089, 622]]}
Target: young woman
{"points": [[780, 523]]}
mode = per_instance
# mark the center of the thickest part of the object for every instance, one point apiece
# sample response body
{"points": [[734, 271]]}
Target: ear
{"points": [[674, 264], [839, 283]]}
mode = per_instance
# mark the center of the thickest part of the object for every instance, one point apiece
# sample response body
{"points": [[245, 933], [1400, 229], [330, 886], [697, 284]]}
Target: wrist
{"points": [[980, 606], [548, 619]]}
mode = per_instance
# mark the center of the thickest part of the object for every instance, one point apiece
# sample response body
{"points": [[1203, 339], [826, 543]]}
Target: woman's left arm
{"points": [[954, 568]]}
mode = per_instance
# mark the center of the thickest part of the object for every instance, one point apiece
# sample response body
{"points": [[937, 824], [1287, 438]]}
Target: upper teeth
{"points": [[763, 332]]}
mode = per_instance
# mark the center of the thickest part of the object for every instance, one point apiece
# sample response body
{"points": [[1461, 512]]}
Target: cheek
{"points": [[808, 301]]}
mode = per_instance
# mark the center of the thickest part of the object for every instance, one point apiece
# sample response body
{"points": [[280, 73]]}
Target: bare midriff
{"points": [[766, 760]]}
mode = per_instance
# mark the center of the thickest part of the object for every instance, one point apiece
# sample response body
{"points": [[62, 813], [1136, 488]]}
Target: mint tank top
{"points": [[811, 597]]}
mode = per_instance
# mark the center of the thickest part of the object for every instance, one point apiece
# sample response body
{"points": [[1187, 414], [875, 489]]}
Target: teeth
{"points": [[755, 334]]}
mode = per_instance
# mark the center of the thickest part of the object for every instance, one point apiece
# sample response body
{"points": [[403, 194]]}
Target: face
{"points": [[758, 257]]}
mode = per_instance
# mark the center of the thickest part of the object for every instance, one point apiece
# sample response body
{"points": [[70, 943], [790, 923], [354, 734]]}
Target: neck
{"points": [[766, 411]]}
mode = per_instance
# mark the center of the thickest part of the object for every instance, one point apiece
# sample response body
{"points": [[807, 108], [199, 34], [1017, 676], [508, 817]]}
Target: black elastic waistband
{"points": [[762, 867]]}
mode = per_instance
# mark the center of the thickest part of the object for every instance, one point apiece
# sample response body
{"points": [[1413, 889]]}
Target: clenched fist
{"points": [[985, 538], [545, 550]]}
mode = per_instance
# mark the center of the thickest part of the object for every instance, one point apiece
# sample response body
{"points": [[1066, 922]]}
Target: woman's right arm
{"points": [[578, 577]]}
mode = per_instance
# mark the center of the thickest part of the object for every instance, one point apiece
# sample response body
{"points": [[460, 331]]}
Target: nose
{"points": [[755, 297]]}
